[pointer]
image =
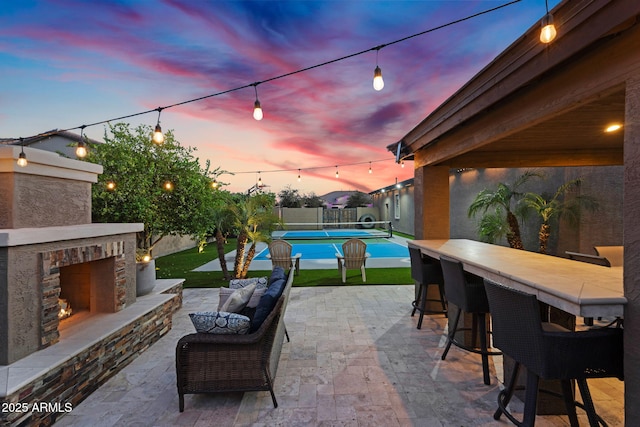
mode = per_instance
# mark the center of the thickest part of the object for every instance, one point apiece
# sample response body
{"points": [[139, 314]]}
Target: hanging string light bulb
{"points": [[337, 173], [22, 158], [378, 82], [81, 149], [214, 184], [299, 177], [402, 164], [158, 136], [548, 32], [370, 171], [260, 184], [257, 109]]}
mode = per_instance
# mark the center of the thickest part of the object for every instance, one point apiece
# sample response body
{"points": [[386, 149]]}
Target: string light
{"points": [[81, 149], [111, 185], [168, 185], [378, 82], [158, 136], [370, 171], [548, 32], [257, 109], [402, 164], [214, 184], [299, 177], [260, 185], [22, 158], [337, 173]]}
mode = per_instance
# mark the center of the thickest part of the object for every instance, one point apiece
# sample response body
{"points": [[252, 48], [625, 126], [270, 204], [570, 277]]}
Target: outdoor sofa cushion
{"points": [[261, 282], [267, 302]]}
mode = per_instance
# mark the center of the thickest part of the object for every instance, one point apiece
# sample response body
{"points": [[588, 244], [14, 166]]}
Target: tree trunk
{"points": [[221, 254], [543, 236], [237, 265], [250, 255], [513, 237]]}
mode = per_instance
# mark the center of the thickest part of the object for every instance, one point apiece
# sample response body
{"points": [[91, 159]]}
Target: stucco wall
{"points": [[385, 203], [603, 227]]}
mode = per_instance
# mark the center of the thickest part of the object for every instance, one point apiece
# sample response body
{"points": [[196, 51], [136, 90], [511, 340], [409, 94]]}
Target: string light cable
{"points": [[255, 84]]}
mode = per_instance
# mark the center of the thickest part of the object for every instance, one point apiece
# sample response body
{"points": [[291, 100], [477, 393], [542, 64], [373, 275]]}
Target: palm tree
{"points": [[500, 200], [254, 220], [554, 207]]}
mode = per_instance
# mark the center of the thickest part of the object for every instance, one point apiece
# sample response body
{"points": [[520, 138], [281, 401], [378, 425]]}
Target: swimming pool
{"points": [[327, 249]]}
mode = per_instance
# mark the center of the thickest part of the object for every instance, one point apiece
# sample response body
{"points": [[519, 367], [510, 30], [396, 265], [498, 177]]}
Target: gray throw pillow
{"points": [[225, 293], [238, 299]]}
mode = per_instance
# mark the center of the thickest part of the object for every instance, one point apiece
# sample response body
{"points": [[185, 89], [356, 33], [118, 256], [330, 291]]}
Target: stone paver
{"points": [[355, 359]]}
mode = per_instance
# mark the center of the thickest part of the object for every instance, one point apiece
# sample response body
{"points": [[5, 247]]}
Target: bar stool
{"points": [[551, 352], [426, 271], [467, 293]]}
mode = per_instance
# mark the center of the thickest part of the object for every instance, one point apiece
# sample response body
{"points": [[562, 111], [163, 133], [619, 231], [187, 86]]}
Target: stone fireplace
{"points": [[51, 255]]}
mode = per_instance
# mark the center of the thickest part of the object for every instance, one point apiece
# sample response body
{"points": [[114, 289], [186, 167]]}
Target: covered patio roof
{"points": [[541, 105]]}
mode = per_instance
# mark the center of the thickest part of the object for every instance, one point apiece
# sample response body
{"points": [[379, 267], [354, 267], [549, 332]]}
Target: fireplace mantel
{"points": [[29, 236]]}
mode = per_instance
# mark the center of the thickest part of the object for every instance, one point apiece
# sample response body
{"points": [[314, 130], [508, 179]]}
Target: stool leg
{"points": [[530, 399], [442, 301], [569, 402], [588, 402], [452, 332], [415, 303], [423, 303], [482, 325], [505, 395]]}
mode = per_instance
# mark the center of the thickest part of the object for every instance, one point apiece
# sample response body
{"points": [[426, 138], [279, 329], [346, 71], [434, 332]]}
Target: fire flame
{"points": [[65, 309]]}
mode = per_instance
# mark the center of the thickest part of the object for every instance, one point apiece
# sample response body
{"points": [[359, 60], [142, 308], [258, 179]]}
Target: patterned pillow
{"points": [[220, 322], [225, 293], [238, 299], [261, 282]]}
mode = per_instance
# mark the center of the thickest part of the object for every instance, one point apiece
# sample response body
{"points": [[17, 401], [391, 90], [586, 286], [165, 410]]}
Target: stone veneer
{"points": [[52, 261], [67, 384]]}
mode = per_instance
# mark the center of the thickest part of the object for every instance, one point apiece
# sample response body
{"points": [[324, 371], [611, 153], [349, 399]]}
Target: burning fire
{"points": [[65, 309]]}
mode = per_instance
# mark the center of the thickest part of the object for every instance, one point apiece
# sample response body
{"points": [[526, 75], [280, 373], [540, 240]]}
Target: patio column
{"points": [[432, 202], [631, 227]]}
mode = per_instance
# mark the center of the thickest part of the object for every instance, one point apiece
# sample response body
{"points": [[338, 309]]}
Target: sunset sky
{"points": [[65, 63]]}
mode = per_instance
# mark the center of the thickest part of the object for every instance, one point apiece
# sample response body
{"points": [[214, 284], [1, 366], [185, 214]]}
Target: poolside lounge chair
{"points": [[280, 255], [355, 257]]}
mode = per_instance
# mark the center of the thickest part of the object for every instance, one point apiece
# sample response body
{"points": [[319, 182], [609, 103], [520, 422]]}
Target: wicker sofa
{"points": [[210, 363]]}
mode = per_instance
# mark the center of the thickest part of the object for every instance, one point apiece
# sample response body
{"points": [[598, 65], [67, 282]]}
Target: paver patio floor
{"points": [[355, 359]]}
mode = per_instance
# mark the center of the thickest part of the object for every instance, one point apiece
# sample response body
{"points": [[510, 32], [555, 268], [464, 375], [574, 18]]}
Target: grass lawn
{"points": [[180, 264]]}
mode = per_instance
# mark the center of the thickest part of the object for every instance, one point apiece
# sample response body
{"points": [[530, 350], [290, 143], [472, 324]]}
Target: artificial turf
{"points": [[181, 264]]}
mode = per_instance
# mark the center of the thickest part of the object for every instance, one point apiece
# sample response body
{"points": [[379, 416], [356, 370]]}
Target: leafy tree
{"points": [[162, 186], [358, 199], [312, 201], [550, 207], [502, 198], [290, 198], [255, 220]]}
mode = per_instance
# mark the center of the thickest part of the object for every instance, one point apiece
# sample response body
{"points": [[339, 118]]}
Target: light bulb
{"points": [[81, 150], [158, 136], [146, 258], [111, 185], [299, 178], [548, 32], [257, 111], [22, 160], [378, 83], [337, 173], [168, 185]]}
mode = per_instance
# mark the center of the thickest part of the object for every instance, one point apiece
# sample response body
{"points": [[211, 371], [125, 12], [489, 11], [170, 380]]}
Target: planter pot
{"points": [[145, 277]]}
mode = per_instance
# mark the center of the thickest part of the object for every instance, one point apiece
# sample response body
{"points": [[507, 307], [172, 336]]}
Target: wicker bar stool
{"points": [[427, 272], [550, 352], [467, 293]]}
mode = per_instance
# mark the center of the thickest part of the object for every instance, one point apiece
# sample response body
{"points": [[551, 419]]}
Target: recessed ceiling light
{"points": [[613, 127]]}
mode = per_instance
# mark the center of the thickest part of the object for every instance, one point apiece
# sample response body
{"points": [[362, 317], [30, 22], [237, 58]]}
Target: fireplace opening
{"points": [[86, 288]]}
